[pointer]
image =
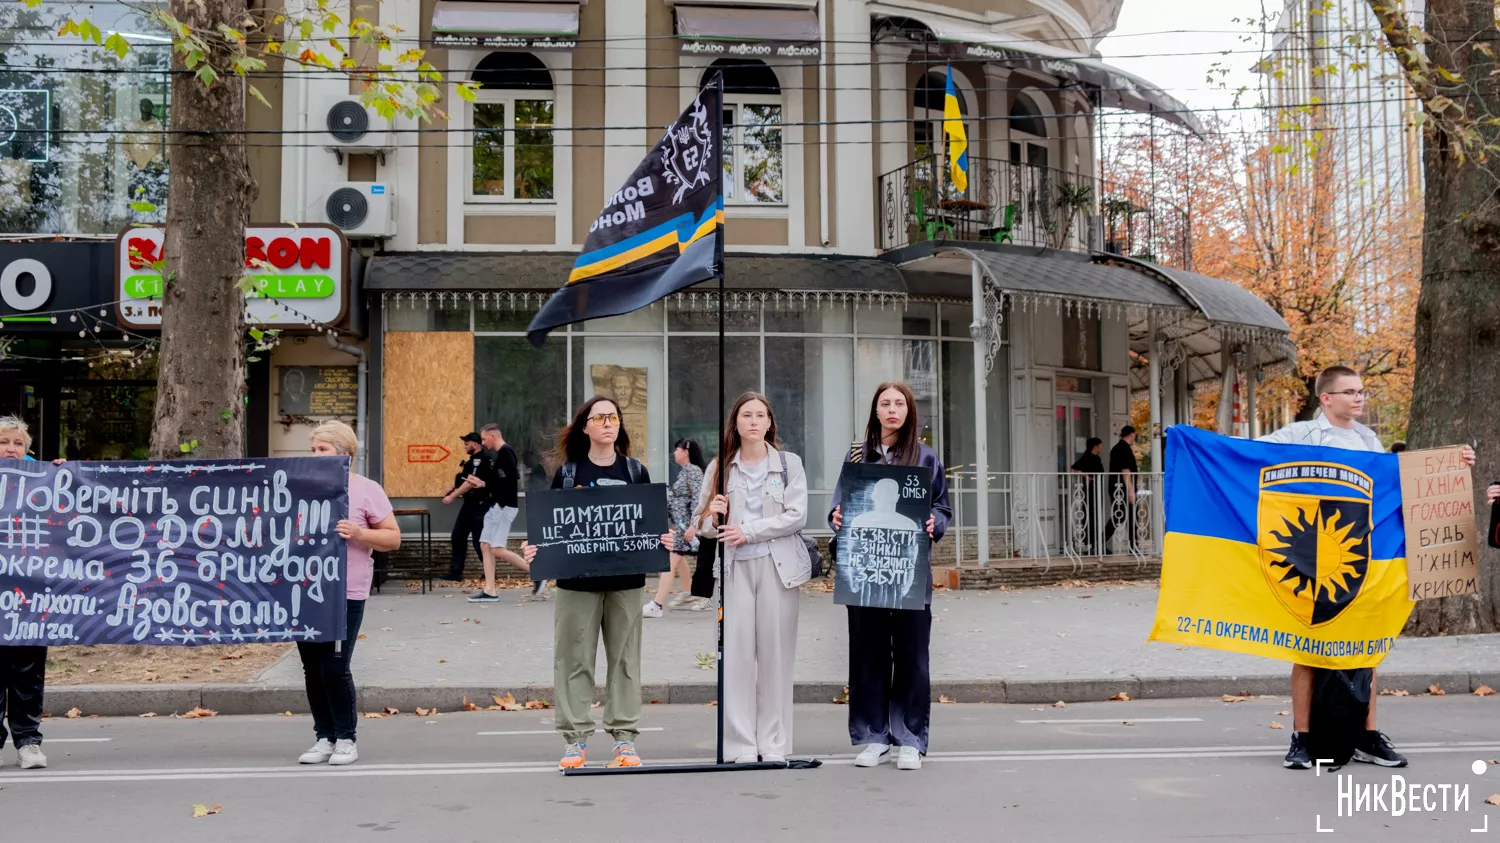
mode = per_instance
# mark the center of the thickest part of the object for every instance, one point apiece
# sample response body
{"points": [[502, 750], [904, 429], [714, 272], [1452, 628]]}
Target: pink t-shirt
{"points": [[369, 506]]}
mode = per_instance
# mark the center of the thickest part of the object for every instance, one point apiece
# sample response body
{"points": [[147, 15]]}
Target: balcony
{"points": [[1027, 205]]}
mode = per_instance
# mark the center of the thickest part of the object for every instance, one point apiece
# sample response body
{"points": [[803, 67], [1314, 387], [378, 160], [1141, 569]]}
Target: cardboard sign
{"points": [[597, 532], [179, 552], [883, 549], [1437, 506]]}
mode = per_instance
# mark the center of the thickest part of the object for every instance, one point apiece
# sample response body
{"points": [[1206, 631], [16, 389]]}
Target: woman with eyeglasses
{"points": [[594, 450], [761, 509]]}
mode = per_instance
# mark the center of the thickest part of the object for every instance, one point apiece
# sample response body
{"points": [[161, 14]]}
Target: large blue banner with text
{"points": [[180, 552]]}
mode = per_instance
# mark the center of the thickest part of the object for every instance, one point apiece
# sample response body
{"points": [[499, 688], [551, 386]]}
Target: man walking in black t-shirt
{"points": [[501, 475], [470, 521], [1122, 471]]}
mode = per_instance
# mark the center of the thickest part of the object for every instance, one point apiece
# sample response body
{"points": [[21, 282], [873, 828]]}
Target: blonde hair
{"points": [[15, 423], [339, 435]]}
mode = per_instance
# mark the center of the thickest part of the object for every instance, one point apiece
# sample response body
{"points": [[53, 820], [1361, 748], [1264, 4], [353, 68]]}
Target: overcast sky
{"points": [[1212, 28]]}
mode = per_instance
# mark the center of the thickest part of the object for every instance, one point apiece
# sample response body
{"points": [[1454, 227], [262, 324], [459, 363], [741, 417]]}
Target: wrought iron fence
{"points": [[1026, 205]]}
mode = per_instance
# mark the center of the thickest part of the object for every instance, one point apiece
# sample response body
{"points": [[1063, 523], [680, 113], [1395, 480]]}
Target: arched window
{"points": [[1028, 132], [753, 155], [512, 119], [928, 101]]}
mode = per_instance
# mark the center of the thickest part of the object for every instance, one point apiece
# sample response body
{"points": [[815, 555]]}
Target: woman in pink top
{"points": [[369, 527]]}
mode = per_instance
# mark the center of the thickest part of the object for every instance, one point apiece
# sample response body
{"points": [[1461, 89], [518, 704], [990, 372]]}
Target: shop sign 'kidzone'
{"points": [[295, 275]]}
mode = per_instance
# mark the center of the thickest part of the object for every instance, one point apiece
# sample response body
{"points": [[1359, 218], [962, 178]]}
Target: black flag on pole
{"points": [[660, 232]]}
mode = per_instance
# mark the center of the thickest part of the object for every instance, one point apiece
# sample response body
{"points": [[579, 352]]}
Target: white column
{"points": [[853, 155], [1153, 385], [625, 98], [895, 100], [978, 330]]}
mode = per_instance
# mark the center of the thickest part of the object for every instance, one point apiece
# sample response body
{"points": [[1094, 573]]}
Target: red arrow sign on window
{"points": [[426, 453]]}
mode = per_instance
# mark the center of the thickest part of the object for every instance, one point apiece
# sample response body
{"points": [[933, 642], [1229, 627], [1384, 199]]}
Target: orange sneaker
{"points": [[625, 755], [573, 757]]}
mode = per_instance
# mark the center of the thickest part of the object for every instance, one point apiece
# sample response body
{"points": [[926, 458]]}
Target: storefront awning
{"points": [[499, 26], [1116, 88], [748, 32]]}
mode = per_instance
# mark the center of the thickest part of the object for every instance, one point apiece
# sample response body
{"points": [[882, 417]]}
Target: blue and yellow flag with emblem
{"points": [[659, 233], [958, 139], [1294, 552]]}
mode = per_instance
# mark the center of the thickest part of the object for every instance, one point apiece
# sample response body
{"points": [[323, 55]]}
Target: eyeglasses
{"points": [[602, 419], [1351, 393]]}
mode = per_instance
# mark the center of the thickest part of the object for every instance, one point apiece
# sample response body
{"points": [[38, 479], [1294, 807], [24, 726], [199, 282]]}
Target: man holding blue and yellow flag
{"points": [[1295, 554], [958, 139]]}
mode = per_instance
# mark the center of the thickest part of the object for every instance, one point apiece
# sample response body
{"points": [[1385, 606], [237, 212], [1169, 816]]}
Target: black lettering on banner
{"points": [[597, 532], [175, 552], [883, 551]]}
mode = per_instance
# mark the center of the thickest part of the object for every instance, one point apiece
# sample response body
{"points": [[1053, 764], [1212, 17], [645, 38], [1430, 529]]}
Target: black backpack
{"points": [[570, 472]]}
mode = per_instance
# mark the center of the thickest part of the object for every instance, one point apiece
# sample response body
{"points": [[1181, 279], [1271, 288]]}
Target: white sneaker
{"points": [[910, 759], [319, 753], [651, 610], [773, 759], [32, 757], [699, 604], [873, 755], [344, 754]]}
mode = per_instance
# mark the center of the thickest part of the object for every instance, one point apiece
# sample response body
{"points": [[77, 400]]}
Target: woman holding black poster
{"points": [[595, 451], [371, 526], [889, 690], [762, 507]]}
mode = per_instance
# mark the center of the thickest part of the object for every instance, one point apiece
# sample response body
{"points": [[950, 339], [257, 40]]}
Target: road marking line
{"points": [[554, 731], [1123, 720], [78, 740]]}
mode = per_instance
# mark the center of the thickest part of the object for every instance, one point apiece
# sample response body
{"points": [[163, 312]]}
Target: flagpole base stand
{"points": [[797, 764]]}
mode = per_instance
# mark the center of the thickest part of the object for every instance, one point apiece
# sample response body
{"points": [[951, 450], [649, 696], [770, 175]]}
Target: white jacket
{"points": [[785, 515]]}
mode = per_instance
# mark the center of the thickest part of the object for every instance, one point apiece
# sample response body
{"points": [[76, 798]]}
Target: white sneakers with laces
{"points": [[344, 754], [32, 757], [910, 759], [319, 753], [873, 755], [651, 610]]}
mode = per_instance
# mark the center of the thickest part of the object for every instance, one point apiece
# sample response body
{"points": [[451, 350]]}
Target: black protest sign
{"points": [[182, 553], [597, 532], [883, 548]]}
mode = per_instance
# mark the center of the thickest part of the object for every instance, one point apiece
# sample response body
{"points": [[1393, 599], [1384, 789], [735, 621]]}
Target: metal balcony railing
{"points": [[1027, 205]]}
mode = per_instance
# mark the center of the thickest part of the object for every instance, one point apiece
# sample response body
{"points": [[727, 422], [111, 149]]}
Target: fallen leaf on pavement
{"points": [[1436, 690], [1493, 800], [843, 699], [361, 637], [374, 715], [386, 629], [1120, 697], [432, 722], [508, 703], [389, 710], [1229, 699], [1283, 714], [1395, 692], [423, 712], [204, 810], [1059, 704], [537, 705], [1484, 691], [1129, 722], [286, 714], [945, 699], [147, 714], [706, 661], [713, 704], [199, 712], [468, 706], [73, 714], [1275, 725], [442, 661]]}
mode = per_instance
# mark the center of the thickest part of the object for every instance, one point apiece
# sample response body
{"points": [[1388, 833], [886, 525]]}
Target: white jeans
{"points": [[760, 646]]}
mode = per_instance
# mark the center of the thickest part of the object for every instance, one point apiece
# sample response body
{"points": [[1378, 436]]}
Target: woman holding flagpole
{"points": [[890, 693], [760, 514]]}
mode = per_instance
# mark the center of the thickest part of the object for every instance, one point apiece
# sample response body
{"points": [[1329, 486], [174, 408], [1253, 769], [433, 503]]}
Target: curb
{"points": [[227, 699]]}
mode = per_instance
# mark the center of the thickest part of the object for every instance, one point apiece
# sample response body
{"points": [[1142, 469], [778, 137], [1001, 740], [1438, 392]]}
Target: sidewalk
{"points": [[1025, 646]]}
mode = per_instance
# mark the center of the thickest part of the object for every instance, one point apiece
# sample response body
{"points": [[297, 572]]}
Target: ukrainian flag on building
{"points": [[1292, 552], [958, 139], [660, 232]]}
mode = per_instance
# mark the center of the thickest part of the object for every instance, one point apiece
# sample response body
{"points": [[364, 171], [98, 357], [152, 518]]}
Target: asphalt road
{"points": [[1126, 771]]}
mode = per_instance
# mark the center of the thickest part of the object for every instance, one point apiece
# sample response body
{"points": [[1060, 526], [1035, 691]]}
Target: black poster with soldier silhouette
{"points": [[883, 548]]}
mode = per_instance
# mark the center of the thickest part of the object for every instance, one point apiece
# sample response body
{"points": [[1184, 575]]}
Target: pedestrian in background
{"points": [[501, 477], [371, 526], [594, 450], [761, 509], [890, 688], [682, 499], [23, 670], [469, 523]]}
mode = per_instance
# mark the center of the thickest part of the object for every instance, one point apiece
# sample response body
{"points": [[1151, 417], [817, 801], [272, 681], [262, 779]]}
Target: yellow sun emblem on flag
{"points": [[1315, 552]]}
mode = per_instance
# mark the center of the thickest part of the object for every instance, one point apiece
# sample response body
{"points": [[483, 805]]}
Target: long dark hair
{"points": [[573, 440], [695, 452], [908, 447]]}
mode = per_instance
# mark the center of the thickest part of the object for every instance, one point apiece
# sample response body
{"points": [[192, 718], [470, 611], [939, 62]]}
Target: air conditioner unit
{"points": [[350, 128], [362, 209]]}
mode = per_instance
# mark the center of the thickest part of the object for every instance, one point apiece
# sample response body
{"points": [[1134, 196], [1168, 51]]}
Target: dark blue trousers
{"points": [[890, 692], [23, 675]]}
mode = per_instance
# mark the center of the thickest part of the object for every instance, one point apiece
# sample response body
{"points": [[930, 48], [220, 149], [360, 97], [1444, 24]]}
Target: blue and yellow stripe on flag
{"points": [[958, 139], [1292, 552], [660, 232]]}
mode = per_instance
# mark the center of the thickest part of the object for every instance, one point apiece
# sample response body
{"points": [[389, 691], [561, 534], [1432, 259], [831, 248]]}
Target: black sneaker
{"points": [[1297, 757], [1376, 748], [481, 597]]}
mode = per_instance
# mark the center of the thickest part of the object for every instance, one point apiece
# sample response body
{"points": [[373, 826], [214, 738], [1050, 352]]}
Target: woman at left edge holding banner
{"points": [[23, 670], [371, 526]]}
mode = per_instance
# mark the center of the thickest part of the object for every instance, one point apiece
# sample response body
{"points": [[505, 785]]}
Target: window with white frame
{"points": [[511, 119], [754, 157]]}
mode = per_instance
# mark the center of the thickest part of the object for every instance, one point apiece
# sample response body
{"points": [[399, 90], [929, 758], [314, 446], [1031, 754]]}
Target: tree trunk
{"points": [[200, 393], [1458, 312]]}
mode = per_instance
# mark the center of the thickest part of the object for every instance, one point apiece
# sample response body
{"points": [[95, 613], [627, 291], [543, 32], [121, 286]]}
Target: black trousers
{"points": [[890, 691], [703, 570], [330, 682], [23, 675], [466, 530]]}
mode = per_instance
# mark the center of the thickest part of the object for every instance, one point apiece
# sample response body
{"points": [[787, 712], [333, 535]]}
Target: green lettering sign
{"points": [[292, 286], [143, 286]]}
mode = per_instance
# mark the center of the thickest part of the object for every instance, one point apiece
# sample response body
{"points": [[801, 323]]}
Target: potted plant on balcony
{"points": [[1072, 200]]}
